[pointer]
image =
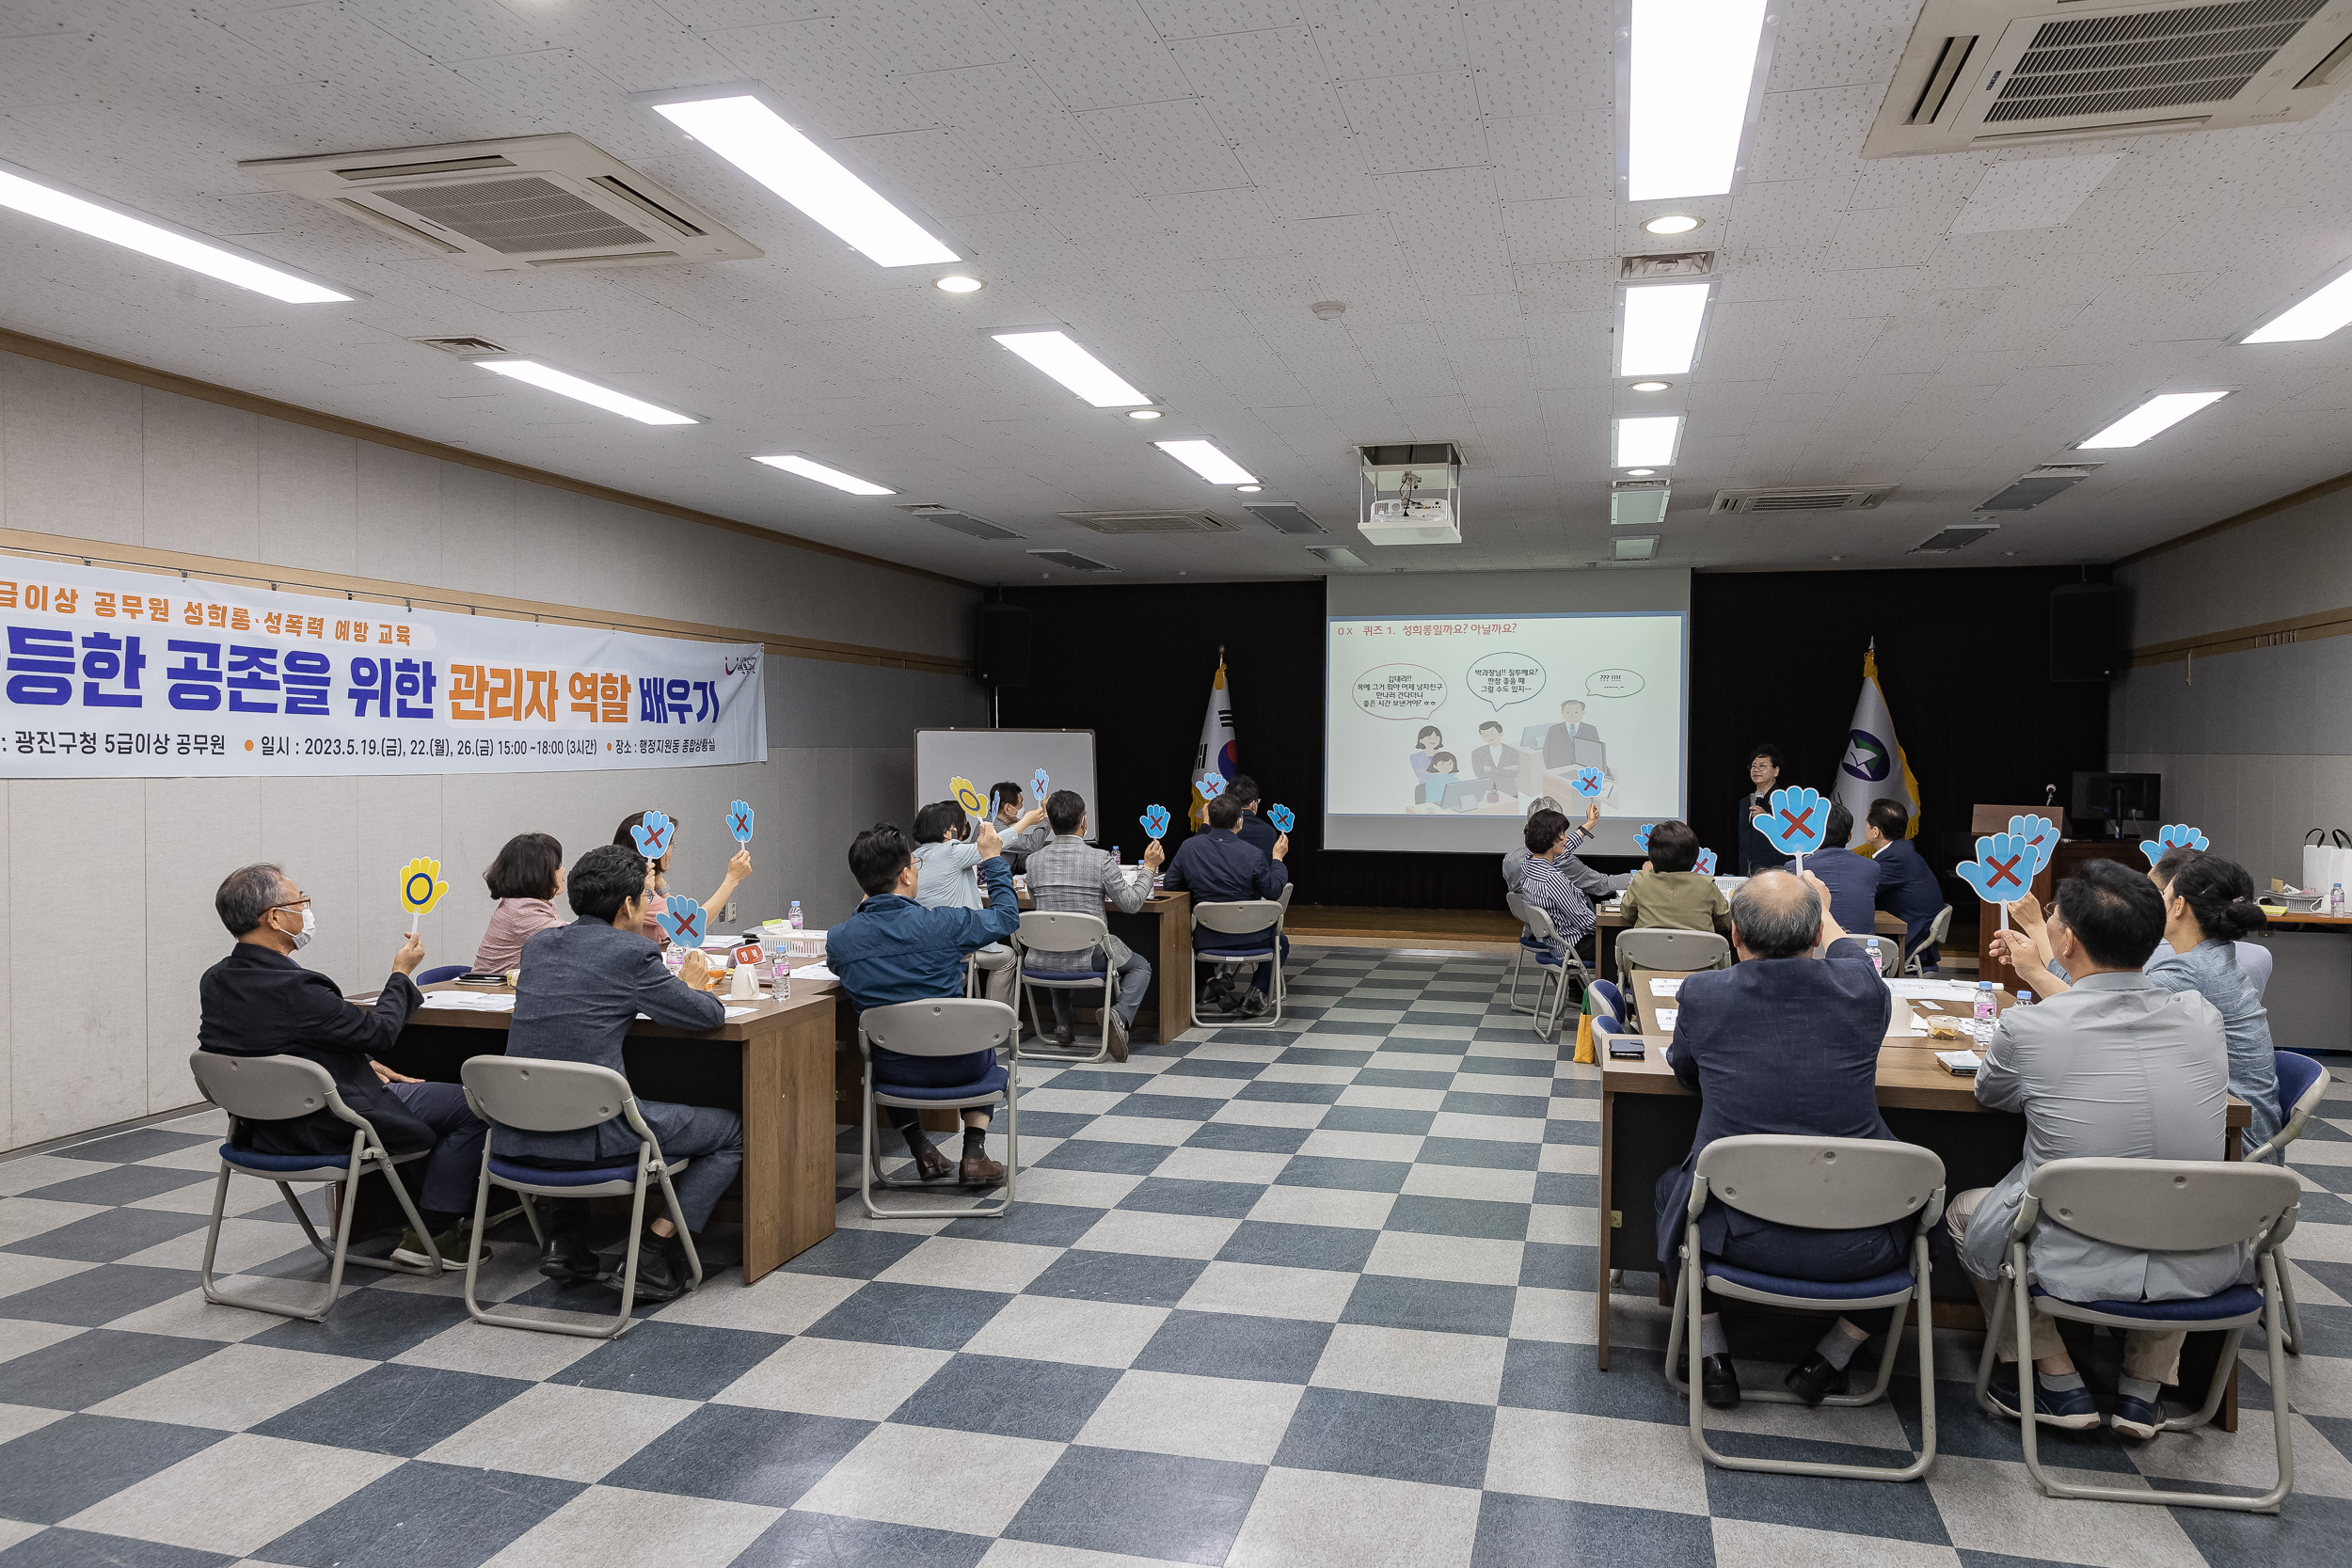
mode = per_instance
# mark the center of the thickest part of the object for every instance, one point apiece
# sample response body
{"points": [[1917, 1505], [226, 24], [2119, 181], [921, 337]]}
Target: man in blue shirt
{"points": [[1221, 866], [1853, 879], [1907, 888], [893, 949]]}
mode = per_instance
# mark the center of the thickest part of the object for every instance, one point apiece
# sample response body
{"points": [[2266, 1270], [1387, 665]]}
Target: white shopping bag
{"points": [[2327, 860]]}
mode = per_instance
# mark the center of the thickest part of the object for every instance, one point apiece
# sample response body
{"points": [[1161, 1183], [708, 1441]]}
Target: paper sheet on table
{"points": [[1934, 991], [1668, 986], [1666, 1019], [813, 972], [490, 1002], [741, 1012]]}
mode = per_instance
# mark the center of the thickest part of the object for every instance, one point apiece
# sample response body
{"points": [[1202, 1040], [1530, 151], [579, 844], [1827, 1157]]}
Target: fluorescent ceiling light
{"points": [[1143, 413], [1053, 352], [2315, 317], [1203, 458], [554, 380], [1692, 67], [755, 139], [35, 198], [823, 475], [958, 284], [1637, 550], [1650, 441], [1650, 385], [1662, 328], [2153, 417], [1674, 223]]}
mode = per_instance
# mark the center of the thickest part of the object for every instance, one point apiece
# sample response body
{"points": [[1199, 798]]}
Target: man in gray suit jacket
{"points": [[2109, 1065], [582, 985]]}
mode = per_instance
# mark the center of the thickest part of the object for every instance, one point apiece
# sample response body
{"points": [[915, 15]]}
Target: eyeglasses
{"points": [[302, 902]]}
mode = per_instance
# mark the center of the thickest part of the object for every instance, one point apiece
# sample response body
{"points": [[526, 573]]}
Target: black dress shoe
{"points": [[1813, 1379], [1719, 1381], [572, 1260]]}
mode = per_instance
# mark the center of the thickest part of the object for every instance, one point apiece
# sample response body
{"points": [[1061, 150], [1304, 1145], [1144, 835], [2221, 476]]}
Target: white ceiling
{"points": [[1178, 181]]}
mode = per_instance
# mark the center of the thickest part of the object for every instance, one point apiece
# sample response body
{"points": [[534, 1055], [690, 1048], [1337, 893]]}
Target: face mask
{"points": [[310, 927]]}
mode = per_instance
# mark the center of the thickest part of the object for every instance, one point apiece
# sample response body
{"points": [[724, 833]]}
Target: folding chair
{"points": [[1612, 1000], [2302, 1086], [2156, 1206], [1042, 931], [1519, 911], [1938, 929], [951, 1027], [536, 1096], [1543, 933], [280, 1088], [1668, 948], [1242, 917], [1823, 1184]]}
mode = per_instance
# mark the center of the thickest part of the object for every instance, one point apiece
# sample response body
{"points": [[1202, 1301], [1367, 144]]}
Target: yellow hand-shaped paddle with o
{"points": [[420, 888]]}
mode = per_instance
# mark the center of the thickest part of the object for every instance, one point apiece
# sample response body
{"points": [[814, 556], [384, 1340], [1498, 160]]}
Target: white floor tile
{"points": [[1198, 1418], [569, 1433], [209, 1501], [1082, 1333], [235, 1387], [835, 1377], [970, 1482], [1595, 1459], [1268, 1291], [1412, 1363], [1318, 1519], [608, 1524]]}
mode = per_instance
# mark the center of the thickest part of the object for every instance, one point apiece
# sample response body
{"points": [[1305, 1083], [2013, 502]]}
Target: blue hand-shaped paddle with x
{"points": [[2171, 836], [1795, 822], [1156, 821], [681, 921]]}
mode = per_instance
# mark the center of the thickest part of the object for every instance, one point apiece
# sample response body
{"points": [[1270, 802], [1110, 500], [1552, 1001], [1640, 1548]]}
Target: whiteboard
{"points": [[992, 756]]}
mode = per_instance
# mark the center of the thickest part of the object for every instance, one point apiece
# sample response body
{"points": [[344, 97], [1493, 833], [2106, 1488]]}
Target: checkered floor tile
{"points": [[1314, 1293]]}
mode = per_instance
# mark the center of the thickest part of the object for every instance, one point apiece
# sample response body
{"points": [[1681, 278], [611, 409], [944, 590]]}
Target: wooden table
{"points": [[1648, 1119], [1612, 920], [773, 1067]]}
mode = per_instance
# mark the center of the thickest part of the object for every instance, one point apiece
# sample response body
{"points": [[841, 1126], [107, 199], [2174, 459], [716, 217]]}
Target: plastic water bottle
{"points": [[783, 989], [793, 917], [1117, 856], [2025, 998], [1877, 955], [2335, 900], [1988, 1004]]}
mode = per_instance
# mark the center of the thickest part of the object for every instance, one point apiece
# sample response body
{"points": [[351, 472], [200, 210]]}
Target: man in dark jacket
{"points": [[892, 949], [1255, 831], [583, 986], [1907, 889], [1782, 1043], [259, 1002], [1221, 866]]}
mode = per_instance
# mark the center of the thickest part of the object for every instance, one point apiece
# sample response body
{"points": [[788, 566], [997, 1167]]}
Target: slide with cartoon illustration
{"points": [[1440, 729]]}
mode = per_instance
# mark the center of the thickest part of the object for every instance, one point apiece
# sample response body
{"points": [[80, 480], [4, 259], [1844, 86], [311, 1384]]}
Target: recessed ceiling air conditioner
{"points": [[1992, 74], [1283, 516], [1072, 561], [1158, 520], [1802, 497], [2030, 489], [510, 206], [962, 522], [1958, 537]]}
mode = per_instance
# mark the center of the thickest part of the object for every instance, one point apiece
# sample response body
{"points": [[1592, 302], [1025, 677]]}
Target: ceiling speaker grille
{"points": [[2151, 60], [512, 216]]}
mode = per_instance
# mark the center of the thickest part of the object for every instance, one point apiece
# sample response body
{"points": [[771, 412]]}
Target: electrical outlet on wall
{"points": [[727, 914]]}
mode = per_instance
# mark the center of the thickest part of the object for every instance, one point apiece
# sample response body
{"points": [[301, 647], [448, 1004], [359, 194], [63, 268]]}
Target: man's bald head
{"points": [[1773, 915]]}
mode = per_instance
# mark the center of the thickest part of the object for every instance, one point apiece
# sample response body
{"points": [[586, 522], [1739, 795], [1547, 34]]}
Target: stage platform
{"points": [[1437, 930]]}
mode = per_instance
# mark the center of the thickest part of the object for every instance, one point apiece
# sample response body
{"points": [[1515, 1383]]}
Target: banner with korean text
{"points": [[131, 675]]}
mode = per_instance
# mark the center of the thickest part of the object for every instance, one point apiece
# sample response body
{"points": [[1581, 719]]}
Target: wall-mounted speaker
{"points": [[2086, 632], [1000, 644]]}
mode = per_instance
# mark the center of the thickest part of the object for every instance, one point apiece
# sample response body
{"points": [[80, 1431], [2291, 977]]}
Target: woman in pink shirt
{"points": [[526, 880]]}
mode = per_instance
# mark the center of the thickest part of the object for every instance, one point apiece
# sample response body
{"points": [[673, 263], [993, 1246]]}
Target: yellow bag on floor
{"points": [[1585, 1030]]}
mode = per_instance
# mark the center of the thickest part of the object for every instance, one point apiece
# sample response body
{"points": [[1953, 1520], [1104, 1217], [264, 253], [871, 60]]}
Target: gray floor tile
{"points": [[103, 1238], [1010, 1397], [928, 1316], [1434, 1441], [1219, 1344], [67, 1465], [1170, 1509], [394, 1409], [737, 1454], [100, 1295], [423, 1515], [75, 1549], [78, 1372], [803, 1539]]}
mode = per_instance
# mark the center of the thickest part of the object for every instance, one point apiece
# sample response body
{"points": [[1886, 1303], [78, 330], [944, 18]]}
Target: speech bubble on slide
{"points": [[1499, 680], [1399, 691], [1614, 683]]}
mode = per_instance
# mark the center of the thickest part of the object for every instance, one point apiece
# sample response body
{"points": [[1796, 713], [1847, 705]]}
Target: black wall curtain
{"points": [[1775, 655], [1964, 657]]}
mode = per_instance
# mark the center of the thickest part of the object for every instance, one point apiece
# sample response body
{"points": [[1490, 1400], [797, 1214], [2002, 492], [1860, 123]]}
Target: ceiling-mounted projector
{"points": [[1412, 493]]}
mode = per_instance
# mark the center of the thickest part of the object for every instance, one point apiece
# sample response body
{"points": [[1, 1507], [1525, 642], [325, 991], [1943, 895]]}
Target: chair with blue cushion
{"points": [[1821, 1185], [1609, 1000], [1536, 944], [280, 1088], [536, 1095], [1043, 932], [446, 972], [1518, 955], [2302, 1086], [1938, 930], [951, 1026], [2159, 1206], [1244, 917]]}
